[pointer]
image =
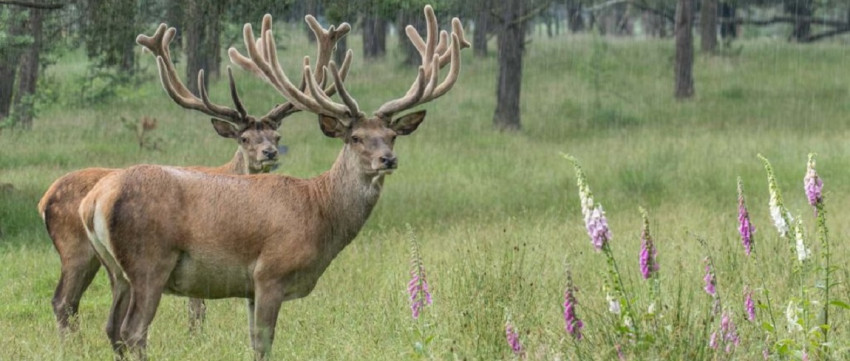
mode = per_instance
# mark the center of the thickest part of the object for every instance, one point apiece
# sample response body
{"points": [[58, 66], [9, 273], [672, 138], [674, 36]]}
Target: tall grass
{"points": [[496, 214]]}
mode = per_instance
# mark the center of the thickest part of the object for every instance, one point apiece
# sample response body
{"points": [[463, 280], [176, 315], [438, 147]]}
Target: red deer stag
{"points": [[257, 141], [264, 237]]}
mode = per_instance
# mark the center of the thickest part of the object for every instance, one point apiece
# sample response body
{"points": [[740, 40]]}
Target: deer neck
{"points": [[351, 196], [238, 164]]}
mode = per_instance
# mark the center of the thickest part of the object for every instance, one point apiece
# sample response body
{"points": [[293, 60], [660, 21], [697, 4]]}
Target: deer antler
{"points": [[158, 45], [435, 55], [262, 61]]}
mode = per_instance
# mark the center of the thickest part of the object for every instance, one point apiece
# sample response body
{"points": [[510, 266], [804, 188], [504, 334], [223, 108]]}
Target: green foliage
{"points": [[497, 214]]}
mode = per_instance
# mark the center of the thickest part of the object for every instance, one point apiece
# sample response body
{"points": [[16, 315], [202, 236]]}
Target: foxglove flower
{"points": [[792, 313], [729, 332], [812, 183], [597, 228], [781, 216], [750, 306], [417, 288], [584, 193], [745, 228], [712, 341], [803, 252], [613, 304], [513, 339], [573, 323], [710, 281], [648, 264]]}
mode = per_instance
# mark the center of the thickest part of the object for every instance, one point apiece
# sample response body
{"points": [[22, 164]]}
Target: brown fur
{"points": [[59, 208], [267, 238]]}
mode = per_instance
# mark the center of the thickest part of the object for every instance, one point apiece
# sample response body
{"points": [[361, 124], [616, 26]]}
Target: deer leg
{"points": [[120, 302], [77, 274], [268, 299], [197, 314], [250, 303], [146, 286]]}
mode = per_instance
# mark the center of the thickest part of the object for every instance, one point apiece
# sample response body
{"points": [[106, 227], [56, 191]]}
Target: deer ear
{"points": [[331, 126], [225, 129], [407, 123]]}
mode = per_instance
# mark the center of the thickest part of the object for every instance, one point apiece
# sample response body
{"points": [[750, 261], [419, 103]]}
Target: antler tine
{"points": [[234, 94], [284, 110], [329, 107], [326, 40], [435, 55], [343, 93], [457, 29], [158, 45]]}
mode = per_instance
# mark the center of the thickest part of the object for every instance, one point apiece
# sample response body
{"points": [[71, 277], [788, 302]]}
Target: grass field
{"points": [[497, 214]]}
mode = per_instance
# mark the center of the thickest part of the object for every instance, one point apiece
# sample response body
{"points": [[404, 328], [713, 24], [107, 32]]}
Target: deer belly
{"points": [[206, 279]]}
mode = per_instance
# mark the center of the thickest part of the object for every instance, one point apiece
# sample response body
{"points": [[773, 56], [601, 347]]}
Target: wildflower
{"points": [[712, 341], [812, 183], [803, 252], [710, 281], [613, 304], [648, 264], [513, 339], [573, 323], [805, 356], [597, 228], [584, 193], [620, 355], [792, 313], [750, 306], [745, 228], [729, 332], [765, 354], [780, 215], [417, 288]]}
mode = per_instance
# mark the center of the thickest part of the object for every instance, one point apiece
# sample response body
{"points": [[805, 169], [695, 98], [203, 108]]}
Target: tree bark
{"points": [[708, 26], [574, 17], [29, 70], [414, 18], [511, 41], [201, 35], [728, 31], [482, 28], [374, 36], [9, 61], [684, 63], [802, 10]]}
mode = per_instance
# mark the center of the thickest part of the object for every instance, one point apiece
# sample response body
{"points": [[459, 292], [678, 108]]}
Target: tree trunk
{"points": [[374, 36], [656, 25], [684, 64], [29, 70], [174, 16], [574, 17], [802, 10], [728, 30], [708, 26], [341, 49], [482, 28], [511, 47], [412, 18], [201, 43], [9, 61]]}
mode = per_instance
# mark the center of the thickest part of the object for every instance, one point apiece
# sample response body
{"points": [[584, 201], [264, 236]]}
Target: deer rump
{"points": [[219, 244]]}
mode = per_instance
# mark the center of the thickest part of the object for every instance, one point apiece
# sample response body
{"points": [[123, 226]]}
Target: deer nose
{"points": [[270, 153], [389, 161]]}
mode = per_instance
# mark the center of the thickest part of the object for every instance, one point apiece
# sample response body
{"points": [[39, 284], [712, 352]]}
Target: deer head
{"points": [[257, 138], [369, 139]]}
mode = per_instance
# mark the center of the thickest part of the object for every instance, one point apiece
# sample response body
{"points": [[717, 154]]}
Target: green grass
{"points": [[497, 214]]}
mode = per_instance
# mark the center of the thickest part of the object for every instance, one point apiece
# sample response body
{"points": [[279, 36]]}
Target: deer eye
{"points": [[243, 140], [355, 139]]}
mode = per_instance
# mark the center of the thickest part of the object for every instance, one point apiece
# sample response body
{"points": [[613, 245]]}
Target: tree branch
{"points": [[826, 34], [638, 4], [784, 19], [32, 5]]}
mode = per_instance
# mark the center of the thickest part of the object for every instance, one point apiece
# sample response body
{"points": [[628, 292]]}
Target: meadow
{"points": [[496, 215]]}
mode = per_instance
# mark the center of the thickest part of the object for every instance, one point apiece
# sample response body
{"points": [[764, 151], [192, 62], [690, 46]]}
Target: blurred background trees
{"points": [[34, 33]]}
